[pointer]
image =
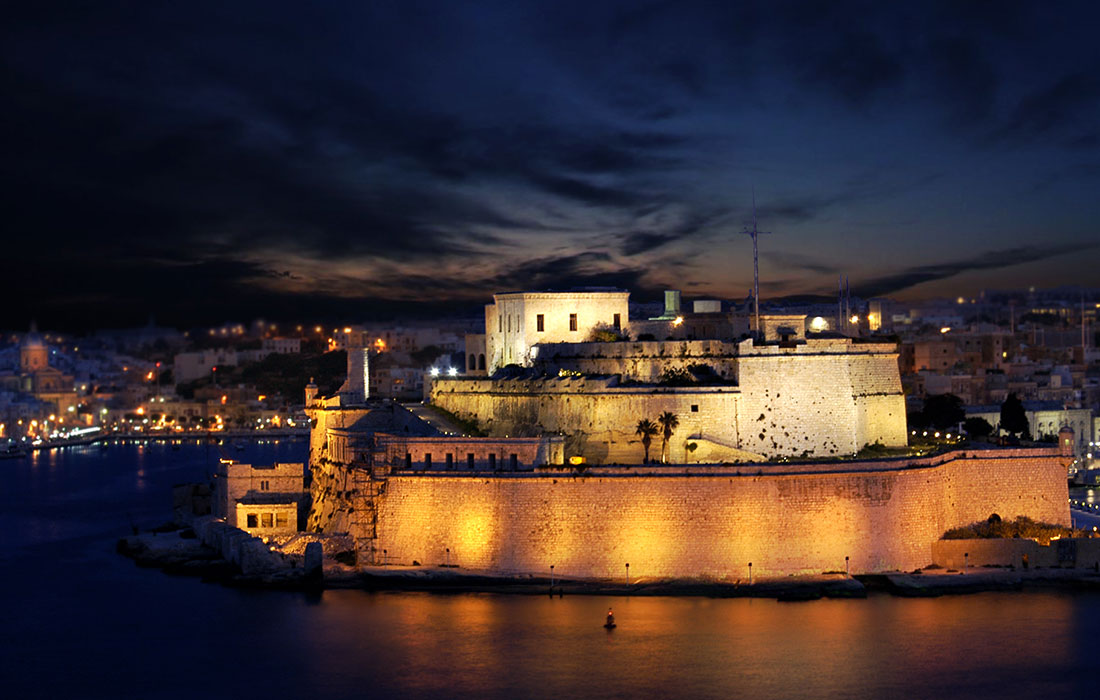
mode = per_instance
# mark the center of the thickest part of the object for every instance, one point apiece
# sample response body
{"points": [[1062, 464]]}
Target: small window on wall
{"points": [[492, 461], [265, 485], [427, 460], [281, 519], [450, 461], [694, 408], [473, 361], [266, 520], [572, 322], [470, 460], [500, 323], [252, 520], [617, 321], [540, 323], [408, 460]]}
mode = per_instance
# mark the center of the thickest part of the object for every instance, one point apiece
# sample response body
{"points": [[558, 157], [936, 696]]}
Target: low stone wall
{"points": [[1079, 553], [238, 547]]}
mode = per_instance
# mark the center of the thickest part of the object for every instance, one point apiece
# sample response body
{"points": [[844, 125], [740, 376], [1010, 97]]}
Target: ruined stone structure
{"points": [[814, 397]]}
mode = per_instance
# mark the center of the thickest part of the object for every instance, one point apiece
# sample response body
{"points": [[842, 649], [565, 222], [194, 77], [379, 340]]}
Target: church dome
{"points": [[33, 339]]}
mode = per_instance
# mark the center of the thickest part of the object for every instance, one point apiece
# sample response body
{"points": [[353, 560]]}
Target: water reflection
{"points": [[128, 632], [421, 645]]}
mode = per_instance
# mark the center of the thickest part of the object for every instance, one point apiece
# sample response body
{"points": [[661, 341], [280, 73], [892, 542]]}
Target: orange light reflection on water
{"points": [[535, 646]]}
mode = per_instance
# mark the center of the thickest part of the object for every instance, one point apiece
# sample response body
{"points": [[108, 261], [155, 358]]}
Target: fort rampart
{"points": [[709, 522], [821, 398]]}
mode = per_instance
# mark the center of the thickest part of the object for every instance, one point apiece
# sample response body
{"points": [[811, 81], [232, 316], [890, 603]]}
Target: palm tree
{"points": [[647, 429], [669, 422]]}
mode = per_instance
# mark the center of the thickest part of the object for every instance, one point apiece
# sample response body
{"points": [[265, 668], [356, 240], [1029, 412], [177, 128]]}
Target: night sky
{"points": [[211, 161]]}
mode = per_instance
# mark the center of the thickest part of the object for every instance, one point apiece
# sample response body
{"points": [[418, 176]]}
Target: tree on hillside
{"points": [[1013, 416], [943, 411], [977, 428], [668, 422], [646, 429]]}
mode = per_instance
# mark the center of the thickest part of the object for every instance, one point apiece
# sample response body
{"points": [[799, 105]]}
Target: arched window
{"points": [[481, 361], [473, 361]]}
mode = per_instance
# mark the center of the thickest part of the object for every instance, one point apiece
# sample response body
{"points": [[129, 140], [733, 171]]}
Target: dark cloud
{"points": [[635, 243], [153, 144], [1069, 100], [800, 261], [911, 277]]}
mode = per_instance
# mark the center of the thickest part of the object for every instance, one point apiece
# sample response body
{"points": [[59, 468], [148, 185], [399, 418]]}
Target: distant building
{"points": [[282, 346], [1044, 419], [189, 366], [39, 379]]}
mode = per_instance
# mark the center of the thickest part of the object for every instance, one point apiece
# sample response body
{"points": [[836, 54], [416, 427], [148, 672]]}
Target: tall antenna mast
{"points": [[755, 266]]}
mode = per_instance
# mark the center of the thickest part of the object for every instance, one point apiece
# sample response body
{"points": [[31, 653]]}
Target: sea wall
{"points": [[785, 519]]}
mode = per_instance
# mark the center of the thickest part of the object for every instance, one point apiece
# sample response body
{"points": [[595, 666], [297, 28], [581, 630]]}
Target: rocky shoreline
{"points": [[180, 552]]}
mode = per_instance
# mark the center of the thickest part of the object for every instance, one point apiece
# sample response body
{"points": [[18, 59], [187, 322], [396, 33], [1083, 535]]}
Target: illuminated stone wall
{"points": [[819, 399], [823, 399], [644, 361], [597, 417], [785, 519]]}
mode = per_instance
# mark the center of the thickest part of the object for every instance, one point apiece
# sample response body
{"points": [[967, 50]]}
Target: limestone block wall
{"points": [[821, 398], [1067, 553], [597, 418], [436, 453], [643, 361], [819, 401], [711, 525]]}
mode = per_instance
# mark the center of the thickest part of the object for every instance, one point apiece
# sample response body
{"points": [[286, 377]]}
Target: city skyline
{"points": [[205, 162]]}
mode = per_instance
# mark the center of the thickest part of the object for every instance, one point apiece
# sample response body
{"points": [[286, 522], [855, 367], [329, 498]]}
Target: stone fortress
{"points": [[785, 393], [558, 480]]}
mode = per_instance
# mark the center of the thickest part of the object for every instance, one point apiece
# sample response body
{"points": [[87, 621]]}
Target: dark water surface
{"points": [[81, 621]]}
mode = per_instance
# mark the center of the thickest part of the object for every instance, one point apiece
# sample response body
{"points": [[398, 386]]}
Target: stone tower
{"points": [[356, 388]]}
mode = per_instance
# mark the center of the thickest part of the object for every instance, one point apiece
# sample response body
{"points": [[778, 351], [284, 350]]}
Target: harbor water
{"points": [[81, 621]]}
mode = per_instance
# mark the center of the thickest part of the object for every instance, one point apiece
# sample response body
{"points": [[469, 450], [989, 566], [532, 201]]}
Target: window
{"points": [[540, 323], [694, 408], [252, 520], [408, 460], [427, 460], [450, 461], [509, 323], [473, 361], [481, 361], [470, 460], [572, 322], [281, 519], [492, 461], [616, 321], [266, 520], [514, 459], [500, 323]]}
